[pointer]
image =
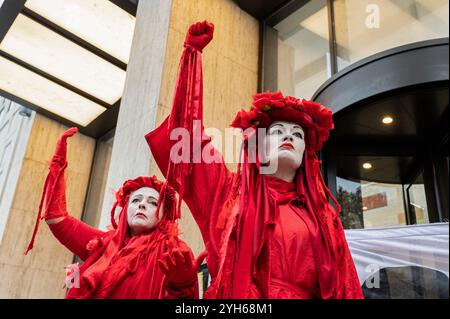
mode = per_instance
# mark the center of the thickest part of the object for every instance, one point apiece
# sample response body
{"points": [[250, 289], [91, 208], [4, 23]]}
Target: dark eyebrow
{"points": [[276, 125], [140, 195], [298, 126]]}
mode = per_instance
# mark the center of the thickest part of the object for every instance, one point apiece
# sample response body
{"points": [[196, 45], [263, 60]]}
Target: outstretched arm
{"points": [[199, 183], [74, 234]]}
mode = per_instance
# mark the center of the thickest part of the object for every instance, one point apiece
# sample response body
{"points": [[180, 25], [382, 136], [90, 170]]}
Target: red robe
{"points": [[126, 277], [293, 265], [259, 244], [293, 268]]}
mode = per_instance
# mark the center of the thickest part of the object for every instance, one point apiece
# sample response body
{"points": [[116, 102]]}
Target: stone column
{"points": [[130, 154]]}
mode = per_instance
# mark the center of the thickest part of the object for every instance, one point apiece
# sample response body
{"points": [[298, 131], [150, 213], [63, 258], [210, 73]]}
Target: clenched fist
{"points": [[199, 35]]}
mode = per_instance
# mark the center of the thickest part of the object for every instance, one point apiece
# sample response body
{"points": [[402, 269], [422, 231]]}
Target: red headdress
{"points": [[268, 107]]}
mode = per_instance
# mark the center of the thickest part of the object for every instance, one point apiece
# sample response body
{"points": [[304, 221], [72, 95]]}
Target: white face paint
{"points": [[141, 210], [285, 143]]}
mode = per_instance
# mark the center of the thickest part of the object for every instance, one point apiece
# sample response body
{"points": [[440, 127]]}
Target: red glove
{"points": [[54, 193], [61, 145], [179, 267], [199, 35]]}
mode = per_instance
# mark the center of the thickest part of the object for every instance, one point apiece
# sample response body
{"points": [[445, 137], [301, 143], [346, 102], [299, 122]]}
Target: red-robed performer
{"points": [[141, 257], [266, 236]]}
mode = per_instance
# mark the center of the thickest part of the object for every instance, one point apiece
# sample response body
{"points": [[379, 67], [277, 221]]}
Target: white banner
{"points": [[417, 245]]}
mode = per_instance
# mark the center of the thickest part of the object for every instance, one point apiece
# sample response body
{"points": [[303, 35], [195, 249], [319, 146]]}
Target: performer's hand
{"points": [[200, 34], [55, 194], [179, 267], [60, 154]]}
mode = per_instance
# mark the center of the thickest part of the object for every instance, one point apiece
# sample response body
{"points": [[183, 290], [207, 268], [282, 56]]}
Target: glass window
{"points": [[303, 50], [408, 282], [383, 204], [379, 191], [366, 27], [417, 202], [349, 197], [367, 204]]}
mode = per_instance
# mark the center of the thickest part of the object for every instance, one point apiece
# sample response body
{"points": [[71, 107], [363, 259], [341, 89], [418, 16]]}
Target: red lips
{"points": [[140, 215], [288, 146]]}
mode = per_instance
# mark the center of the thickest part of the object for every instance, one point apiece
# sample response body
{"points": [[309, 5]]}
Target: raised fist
{"points": [[199, 35]]}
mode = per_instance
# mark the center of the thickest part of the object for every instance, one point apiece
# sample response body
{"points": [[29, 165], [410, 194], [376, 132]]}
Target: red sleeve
{"points": [[75, 235], [348, 276], [205, 184], [184, 291], [199, 183]]}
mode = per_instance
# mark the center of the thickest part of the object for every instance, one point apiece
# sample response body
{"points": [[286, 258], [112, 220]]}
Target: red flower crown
{"points": [[315, 119], [130, 186]]}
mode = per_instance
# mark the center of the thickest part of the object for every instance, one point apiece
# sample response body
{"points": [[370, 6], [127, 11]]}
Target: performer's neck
{"points": [[286, 175]]}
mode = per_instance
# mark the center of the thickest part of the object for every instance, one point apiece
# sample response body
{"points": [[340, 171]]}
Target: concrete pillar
{"points": [[138, 110]]}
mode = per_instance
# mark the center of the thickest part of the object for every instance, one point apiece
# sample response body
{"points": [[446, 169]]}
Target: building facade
{"points": [[370, 61]]}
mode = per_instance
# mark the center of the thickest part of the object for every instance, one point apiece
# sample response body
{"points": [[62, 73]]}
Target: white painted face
{"points": [[285, 142], [141, 210]]}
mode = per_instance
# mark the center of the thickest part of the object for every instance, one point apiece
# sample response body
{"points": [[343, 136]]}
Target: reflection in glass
{"points": [[370, 205], [417, 201], [409, 282], [366, 27], [349, 197], [303, 50], [383, 205]]}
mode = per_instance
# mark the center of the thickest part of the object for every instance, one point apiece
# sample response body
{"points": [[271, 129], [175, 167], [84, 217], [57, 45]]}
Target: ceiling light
{"points": [[387, 120], [367, 166], [100, 23], [46, 50], [46, 94]]}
